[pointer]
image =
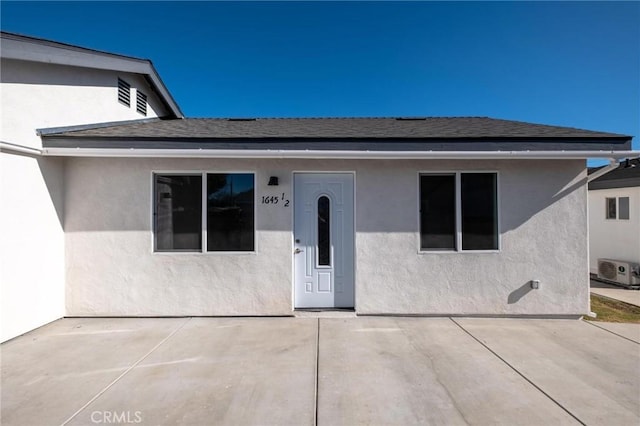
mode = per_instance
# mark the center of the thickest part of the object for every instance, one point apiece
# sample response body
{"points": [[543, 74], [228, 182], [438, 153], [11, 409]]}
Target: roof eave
{"points": [[45, 51], [333, 154]]}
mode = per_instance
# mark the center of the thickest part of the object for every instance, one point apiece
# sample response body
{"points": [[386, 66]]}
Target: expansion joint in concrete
{"points": [[315, 393], [518, 372], [134, 365], [612, 332]]}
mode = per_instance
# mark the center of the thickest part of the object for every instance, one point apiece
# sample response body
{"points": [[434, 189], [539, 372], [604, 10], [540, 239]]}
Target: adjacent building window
{"points": [[124, 92], [458, 211], [617, 208], [228, 201], [611, 212], [623, 206], [141, 103]]}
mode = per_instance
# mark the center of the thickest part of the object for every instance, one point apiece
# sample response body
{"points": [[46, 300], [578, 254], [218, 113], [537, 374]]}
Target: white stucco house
{"points": [[614, 219], [114, 204]]}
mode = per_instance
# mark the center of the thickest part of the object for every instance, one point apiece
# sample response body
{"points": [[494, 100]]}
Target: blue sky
{"points": [[573, 64]]}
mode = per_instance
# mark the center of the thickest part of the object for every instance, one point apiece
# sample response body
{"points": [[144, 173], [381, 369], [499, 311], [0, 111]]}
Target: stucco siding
{"points": [[31, 243], [613, 238], [38, 95], [33, 96], [112, 270], [542, 216]]}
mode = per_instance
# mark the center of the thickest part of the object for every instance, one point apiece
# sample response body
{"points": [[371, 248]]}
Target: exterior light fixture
{"points": [[273, 181]]}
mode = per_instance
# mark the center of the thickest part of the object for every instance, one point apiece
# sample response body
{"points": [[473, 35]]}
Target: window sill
{"points": [[458, 251], [204, 253]]}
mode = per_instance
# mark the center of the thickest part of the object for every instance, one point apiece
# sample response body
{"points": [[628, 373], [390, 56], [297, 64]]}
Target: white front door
{"points": [[323, 233]]}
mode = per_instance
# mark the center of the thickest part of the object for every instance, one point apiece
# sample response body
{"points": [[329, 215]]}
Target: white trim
{"points": [[331, 264], [606, 208], [293, 237], [203, 213], [203, 231], [32, 49], [458, 195], [458, 206], [332, 154]]}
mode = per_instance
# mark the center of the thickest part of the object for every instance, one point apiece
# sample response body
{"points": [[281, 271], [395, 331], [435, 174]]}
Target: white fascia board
{"points": [[327, 154], [54, 53], [25, 49]]}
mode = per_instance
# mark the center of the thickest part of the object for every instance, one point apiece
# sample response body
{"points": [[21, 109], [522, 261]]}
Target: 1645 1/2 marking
{"points": [[274, 199]]}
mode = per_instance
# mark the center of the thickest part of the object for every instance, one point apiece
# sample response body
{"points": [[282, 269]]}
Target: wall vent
{"points": [[124, 92], [141, 103]]}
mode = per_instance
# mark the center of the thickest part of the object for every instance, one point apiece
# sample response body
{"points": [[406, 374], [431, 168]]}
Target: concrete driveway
{"points": [[305, 371], [627, 295]]}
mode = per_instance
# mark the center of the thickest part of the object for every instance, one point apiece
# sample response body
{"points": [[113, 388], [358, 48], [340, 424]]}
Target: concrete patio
{"points": [[328, 371]]}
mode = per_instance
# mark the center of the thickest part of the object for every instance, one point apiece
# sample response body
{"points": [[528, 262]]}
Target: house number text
{"points": [[274, 199]]}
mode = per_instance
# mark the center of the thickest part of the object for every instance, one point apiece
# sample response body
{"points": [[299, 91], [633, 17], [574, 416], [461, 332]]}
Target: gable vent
{"points": [[141, 103], [124, 92]]}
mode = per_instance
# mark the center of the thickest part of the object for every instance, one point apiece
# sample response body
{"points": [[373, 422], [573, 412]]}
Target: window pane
{"points": [[623, 205], [178, 215], [324, 232], [479, 211], [230, 207], [438, 212], [611, 208]]}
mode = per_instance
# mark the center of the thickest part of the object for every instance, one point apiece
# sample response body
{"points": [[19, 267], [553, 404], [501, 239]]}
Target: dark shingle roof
{"points": [[334, 128], [626, 175]]}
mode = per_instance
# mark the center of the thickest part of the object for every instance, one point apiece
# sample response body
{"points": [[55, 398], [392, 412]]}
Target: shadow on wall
{"points": [[386, 192], [387, 195], [520, 204], [519, 293], [56, 75], [52, 172]]}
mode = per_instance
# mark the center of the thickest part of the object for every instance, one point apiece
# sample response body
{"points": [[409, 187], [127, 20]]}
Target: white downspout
{"points": [[613, 164]]}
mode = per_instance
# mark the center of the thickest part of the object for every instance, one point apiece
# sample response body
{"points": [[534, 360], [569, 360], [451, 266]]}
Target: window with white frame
{"points": [[218, 217], [458, 211], [617, 208]]}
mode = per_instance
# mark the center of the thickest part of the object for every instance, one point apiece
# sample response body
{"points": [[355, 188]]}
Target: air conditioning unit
{"points": [[618, 271]]}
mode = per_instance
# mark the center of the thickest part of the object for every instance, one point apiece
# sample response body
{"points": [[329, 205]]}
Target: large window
{"points": [[458, 211], [228, 200]]}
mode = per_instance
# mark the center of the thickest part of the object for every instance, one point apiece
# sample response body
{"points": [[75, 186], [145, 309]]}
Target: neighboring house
{"points": [[47, 84], [614, 215], [174, 216]]}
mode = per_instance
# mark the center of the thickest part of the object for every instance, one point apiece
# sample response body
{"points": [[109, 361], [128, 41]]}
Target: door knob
{"points": [[298, 251]]}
